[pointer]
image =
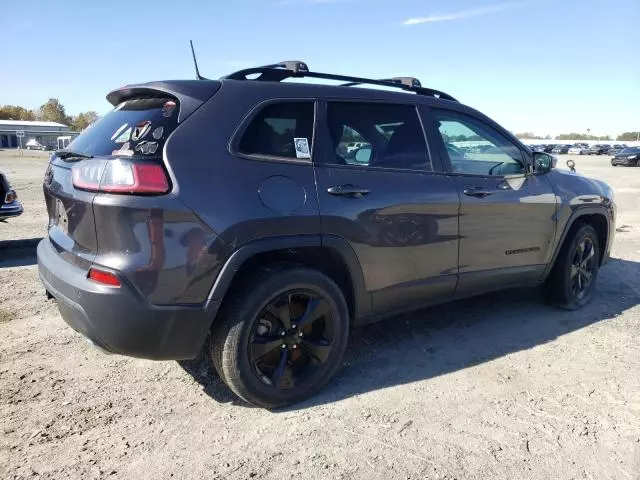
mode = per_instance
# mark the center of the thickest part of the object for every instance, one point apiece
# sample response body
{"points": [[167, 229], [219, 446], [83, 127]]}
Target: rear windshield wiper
{"points": [[70, 153]]}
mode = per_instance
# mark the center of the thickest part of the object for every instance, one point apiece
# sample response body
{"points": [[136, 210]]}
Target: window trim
{"points": [[442, 150], [243, 125], [324, 130]]}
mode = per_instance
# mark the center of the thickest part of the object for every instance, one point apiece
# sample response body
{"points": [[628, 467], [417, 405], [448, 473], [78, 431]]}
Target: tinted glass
{"points": [[377, 135], [280, 130], [475, 147], [135, 127]]}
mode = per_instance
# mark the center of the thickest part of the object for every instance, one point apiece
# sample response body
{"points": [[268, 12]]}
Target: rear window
{"points": [[280, 130], [135, 127]]}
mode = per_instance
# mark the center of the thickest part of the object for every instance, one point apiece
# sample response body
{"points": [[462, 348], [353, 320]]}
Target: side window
{"points": [[475, 147], [280, 130], [377, 135]]}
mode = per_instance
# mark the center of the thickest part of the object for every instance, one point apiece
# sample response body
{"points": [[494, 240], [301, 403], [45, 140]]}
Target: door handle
{"points": [[477, 192], [349, 190]]}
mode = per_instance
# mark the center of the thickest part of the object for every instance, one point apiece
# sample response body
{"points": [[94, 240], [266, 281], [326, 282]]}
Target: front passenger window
{"points": [[475, 148]]}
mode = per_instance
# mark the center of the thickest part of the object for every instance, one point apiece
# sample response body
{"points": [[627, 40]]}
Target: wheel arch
{"points": [[329, 254], [597, 218]]}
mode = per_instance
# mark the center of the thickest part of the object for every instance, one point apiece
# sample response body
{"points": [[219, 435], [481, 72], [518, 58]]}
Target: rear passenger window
{"points": [[377, 135], [280, 130]]}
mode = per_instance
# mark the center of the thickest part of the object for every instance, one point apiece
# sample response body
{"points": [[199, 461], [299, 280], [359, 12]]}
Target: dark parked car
{"points": [[9, 204], [599, 149], [221, 209], [615, 149], [549, 148], [629, 156], [561, 149]]}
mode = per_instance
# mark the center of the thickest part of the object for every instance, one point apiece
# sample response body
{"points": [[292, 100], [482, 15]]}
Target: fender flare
{"points": [[362, 300], [575, 216]]}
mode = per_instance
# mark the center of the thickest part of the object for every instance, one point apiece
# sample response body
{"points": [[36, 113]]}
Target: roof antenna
{"points": [[195, 62]]}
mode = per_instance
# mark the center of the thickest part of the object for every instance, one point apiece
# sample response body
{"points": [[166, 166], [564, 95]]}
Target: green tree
{"points": [[581, 136], [528, 136], [628, 136], [83, 120], [13, 112], [53, 111]]}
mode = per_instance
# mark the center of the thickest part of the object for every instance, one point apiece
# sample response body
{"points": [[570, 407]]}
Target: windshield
{"points": [[630, 151], [135, 127]]}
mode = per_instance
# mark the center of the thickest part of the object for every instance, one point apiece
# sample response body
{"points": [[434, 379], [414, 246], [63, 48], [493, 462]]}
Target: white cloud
{"points": [[471, 12]]}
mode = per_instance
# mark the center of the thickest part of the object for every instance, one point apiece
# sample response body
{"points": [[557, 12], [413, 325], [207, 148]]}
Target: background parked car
{"points": [[9, 204], [629, 156], [561, 149], [579, 149], [33, 144], [549, 148], [617, 148], [599, 149]]}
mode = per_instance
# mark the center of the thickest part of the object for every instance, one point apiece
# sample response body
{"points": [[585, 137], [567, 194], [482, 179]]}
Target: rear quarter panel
{"points": [[239, 199]]}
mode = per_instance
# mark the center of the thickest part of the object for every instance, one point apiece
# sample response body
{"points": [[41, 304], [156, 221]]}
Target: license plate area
{"points": [[60, 217]]}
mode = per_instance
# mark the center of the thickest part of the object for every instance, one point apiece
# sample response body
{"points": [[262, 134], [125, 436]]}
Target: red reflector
{"points": [[105, 278]]}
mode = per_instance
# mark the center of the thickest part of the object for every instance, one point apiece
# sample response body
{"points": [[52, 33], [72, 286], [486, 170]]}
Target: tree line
{"points": [[51, 111], [624, 137]]}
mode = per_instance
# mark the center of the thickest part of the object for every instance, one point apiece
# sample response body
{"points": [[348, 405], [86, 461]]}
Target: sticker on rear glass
{"points": [[167, 108], [147, 148], [124, 150], [141, 130], [302, 147], [157, 133]]}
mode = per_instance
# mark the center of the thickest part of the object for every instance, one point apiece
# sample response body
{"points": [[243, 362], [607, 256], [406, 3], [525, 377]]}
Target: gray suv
{"points": [[227, 214]]}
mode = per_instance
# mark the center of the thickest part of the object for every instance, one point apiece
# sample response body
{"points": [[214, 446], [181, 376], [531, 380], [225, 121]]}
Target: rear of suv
{"points": [[229, 210]]}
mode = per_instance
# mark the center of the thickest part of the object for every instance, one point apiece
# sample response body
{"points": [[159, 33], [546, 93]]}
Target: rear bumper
{"points": [[8, 210], [120, 320]]}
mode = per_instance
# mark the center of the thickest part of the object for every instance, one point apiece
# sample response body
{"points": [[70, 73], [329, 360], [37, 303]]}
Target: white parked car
{"points": [[33, 144], [579, 150]]}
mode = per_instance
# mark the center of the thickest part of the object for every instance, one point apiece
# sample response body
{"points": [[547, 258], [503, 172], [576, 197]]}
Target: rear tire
{"points": [[572, 280], [261, 352]]}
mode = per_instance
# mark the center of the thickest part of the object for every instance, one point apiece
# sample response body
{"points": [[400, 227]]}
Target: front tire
{"points": [[280, 335], [572, 280]]}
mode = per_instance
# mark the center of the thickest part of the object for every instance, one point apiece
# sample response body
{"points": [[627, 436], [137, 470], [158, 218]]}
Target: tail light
{"points": [[103, 277], [10, 196], [120, 176]]}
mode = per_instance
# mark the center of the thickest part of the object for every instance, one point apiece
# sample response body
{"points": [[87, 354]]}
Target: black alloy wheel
{"points": [[292, 337], [582, 268], [280, 335], [572, 279]]}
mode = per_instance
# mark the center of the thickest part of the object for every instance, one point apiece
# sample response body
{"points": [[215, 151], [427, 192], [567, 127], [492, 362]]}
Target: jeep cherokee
{"points": [[228, 209]]}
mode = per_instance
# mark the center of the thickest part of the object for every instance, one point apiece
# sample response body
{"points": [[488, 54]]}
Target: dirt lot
{"points": [[498, 387]]}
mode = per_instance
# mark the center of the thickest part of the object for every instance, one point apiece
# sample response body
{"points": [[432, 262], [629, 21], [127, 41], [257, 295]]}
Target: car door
{"points": [[507, 215], [397, 209]]}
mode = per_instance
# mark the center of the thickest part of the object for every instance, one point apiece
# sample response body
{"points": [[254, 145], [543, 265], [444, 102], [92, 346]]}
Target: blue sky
{"points": [[547, 66]]}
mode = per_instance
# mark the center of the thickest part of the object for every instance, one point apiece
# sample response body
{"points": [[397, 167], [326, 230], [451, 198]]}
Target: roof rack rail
{"points": [[280, 71]]}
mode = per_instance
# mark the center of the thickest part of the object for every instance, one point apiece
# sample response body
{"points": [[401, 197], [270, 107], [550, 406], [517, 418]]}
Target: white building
{"points": [[45, 133]]}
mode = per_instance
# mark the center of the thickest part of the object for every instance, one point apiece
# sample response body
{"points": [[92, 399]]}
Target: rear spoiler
{"points": [[190, 93]]}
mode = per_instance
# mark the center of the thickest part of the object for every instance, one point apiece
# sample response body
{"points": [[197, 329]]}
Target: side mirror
{"points": [[363, 155], [543, 163]]}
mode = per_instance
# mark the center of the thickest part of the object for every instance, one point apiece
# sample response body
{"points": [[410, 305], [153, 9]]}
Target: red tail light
{"points": [[106, 278], [120, 176]]}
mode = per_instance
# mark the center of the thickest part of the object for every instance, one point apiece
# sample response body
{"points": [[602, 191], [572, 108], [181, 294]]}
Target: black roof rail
{"points": [[280, 71]]}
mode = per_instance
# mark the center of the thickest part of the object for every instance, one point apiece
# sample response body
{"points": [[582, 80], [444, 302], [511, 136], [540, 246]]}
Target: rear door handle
{"points": [[477, 192], [349, 190]]}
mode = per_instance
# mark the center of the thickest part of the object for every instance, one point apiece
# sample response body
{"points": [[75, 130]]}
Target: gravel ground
{"points": [[498, 387]]}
